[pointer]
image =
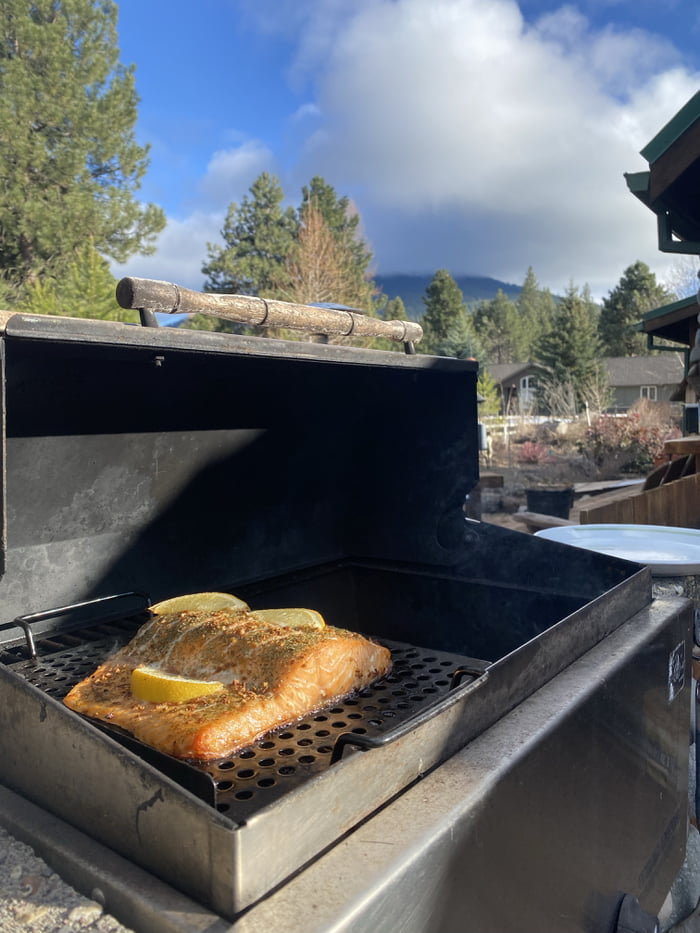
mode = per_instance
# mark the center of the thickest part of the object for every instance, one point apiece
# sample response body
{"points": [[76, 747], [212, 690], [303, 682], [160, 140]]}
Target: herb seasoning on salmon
{"points": [[270, 675]]}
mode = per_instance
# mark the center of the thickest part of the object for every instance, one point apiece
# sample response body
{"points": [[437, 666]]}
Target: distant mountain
{"points": [[411, 289]]}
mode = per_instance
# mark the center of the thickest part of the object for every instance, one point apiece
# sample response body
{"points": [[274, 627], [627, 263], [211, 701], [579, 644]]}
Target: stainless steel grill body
{"points": [[543, 822], [297, 474]]}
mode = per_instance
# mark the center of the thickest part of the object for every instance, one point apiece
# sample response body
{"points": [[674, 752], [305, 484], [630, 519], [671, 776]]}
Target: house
{"points": [[655, 378], [670, 187], [516, 384], [677, 322], [631, 378], [670, 190]]}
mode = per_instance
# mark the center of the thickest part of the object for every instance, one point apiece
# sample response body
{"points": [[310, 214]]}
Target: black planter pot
{"points": [[555, 502]]}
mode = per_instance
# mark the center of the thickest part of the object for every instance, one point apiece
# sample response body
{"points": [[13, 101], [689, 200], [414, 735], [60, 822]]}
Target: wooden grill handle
{"points": [[167, 298]]}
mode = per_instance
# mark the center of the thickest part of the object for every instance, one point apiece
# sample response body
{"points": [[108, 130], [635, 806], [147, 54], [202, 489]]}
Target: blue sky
{"points": [[481, 136]]}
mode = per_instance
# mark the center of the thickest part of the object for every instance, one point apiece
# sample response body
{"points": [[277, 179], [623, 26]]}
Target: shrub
{"points": [[531, 452], [629, 443]]}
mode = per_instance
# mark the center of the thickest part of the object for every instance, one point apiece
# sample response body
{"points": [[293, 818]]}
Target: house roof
{"points": [[664, 369], [671, 187], [676, 321], [673, 130], [509, 372]]}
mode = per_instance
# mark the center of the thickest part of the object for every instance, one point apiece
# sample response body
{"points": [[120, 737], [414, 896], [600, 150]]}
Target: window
{"points": [[527, 389], [648, 392]]}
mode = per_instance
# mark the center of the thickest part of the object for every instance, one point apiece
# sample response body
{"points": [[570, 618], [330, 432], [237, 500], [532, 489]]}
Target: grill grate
{"points": [[289, 756]]}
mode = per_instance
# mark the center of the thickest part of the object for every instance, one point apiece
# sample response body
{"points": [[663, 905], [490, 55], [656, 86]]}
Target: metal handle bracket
{"points": [[26, 621]]}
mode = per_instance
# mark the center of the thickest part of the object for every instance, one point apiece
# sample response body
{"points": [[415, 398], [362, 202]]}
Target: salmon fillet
{"points": [[272, 676]]}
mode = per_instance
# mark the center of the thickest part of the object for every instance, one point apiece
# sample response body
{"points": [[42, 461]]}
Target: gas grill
{"points": [[143, 462]]}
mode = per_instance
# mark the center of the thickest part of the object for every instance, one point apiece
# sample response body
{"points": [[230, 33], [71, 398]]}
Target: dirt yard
{"points": [[602, 458], [504, 501]]}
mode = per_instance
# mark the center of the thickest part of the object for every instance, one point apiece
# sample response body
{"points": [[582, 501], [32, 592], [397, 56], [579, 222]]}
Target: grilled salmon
{"points": [[271, 676]]}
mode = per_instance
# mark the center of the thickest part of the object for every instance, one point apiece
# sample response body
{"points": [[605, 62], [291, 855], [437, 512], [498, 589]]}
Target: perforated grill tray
{"points": [[245, 782]]}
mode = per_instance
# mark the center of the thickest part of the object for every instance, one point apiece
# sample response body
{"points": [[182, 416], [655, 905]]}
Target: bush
{"points": [[531, 452], [630, 443]]}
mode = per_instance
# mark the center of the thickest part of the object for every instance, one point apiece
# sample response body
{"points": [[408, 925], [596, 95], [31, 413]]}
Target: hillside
{"points": [[411, 288]]}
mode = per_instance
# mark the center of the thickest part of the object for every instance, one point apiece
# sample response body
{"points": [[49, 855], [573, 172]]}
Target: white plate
{"points": [[670, 552]]}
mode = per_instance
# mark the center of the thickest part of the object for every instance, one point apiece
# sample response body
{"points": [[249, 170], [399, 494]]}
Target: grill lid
{"points": [[166, 461]]}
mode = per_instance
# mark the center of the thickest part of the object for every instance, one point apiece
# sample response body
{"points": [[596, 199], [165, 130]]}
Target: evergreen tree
{"points": [[636, 292], [343, 221], [314, 254], [258, 238], [69, 163], [316, 269], [487, 388], [592, 309], [460, 341], [498, 328], [394, 310], [85, 288], [570, 355], [445, 318], [535, 307]]}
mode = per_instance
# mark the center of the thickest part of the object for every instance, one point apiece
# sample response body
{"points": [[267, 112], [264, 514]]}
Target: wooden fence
{"points": [[676, 504]]}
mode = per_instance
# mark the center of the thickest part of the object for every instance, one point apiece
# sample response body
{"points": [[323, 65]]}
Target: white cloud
{"points": [[468, 138], [182, 248], [231, 172], [458, 117], [305, 112]]}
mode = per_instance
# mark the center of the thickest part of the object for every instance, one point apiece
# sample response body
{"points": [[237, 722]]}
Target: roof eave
{"points": [[673, 130]]}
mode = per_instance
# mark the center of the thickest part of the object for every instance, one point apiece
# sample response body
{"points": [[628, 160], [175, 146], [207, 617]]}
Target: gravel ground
{"points": [[34, 898]]}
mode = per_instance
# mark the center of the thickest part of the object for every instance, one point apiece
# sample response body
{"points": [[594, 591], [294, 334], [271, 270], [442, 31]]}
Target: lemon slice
{"points": [[194, 601], [292, 618], [156, 686]]}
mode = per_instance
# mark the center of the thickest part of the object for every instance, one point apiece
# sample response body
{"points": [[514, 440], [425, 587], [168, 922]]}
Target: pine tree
{"points": [[569, 355], [445, 319], [316, 269], [498, 328], [487, 388], [311, 255], [460, 341], [535, 307], [636, 292], [258, 238], [85, 288], [394, 310], [343, 221], [592, 309], [69, 163]]}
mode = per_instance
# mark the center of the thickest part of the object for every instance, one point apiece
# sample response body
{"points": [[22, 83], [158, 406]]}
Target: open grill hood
{"points": [[169, 461]]}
